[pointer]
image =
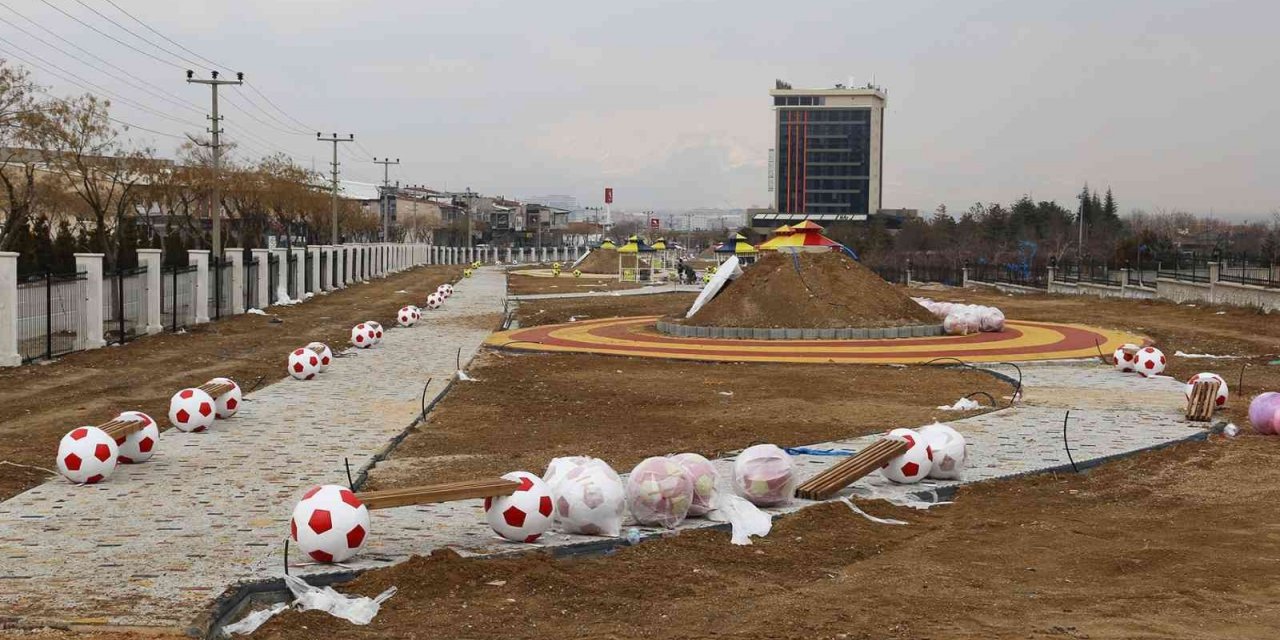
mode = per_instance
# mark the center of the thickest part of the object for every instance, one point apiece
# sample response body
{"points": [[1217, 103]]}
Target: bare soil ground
{"points": [[566, 283], [539, 312], [40, 403]]}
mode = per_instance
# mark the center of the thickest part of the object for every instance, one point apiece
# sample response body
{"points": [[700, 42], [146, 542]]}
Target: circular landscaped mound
{"points": [[600, 261]]}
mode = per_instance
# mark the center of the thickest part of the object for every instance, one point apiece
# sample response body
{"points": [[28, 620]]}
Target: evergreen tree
{"points": [[1109, 208], [24, 244], [42, 243], [64, 248]]}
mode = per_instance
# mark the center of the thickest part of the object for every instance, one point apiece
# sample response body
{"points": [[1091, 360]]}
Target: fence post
{"points": [[235, 256], [282, 275], [330, 283], [150, 258], [1050, 275], [1215, 271], [199, 258], [313, 252], [90, 328], [263, 273], [9, 356], [964, 276]]}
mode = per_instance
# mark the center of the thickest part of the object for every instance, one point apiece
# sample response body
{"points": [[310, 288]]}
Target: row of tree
{"points": [[71, 178]]}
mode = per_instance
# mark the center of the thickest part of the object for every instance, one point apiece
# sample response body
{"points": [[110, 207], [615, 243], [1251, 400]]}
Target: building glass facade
{"points": [[823, 157]]}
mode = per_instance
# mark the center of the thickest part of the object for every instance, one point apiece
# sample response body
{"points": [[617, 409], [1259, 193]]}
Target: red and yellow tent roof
{"points": [[736, 245], [804, 236]]}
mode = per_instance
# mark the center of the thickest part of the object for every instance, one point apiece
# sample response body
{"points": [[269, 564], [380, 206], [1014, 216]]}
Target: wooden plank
{"points": [[1203, 400], [872, 457], [216, 389], [428, 494], [117, 429]]}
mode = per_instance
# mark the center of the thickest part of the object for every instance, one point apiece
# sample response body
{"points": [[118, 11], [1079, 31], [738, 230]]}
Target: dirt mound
{"points": [[600, 261], [828, 291]]}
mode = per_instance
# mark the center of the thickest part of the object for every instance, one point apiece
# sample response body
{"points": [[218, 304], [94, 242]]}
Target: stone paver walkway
{"points": [[157, 542]]}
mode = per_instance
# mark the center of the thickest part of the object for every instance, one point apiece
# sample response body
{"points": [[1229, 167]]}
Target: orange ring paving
{"points": [[1021, 340]]}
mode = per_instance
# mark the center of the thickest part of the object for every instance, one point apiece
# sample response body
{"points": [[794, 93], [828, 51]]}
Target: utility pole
{"points": [[470, 207], [215, 195], [333, 137], [386, 196]]}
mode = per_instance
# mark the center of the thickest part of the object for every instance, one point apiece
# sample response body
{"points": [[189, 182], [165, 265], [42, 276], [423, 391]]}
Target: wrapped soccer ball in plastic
{"points": [[704, 477], [326, 355], [1264, 413], [1126, 357], [362, 336], [912, 466], [1223, 393], [525, 514], [659, 492], [329, 523], [86, 455], [408, 316], [948, 448], [1150, 363], [590, 500], [304, 364], [191, 410], [140, 445], [227, 403], [377, 331], [764, 475]]}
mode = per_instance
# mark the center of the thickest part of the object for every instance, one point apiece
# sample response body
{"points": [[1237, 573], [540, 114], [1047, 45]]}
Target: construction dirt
{"points": [[524, 409], [39, 403], [524, 285], [556, 311], [599, 261], [827, 291]]}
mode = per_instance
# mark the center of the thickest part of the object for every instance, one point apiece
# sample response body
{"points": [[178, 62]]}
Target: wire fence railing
{"points": [[49, 315], [177, 297], [124, 305]]}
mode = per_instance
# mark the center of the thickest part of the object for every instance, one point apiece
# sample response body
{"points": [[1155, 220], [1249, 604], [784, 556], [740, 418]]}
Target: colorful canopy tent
{"points": [[662, 256], [607, 244], [805, 236], [736, 245], [632, 267]]}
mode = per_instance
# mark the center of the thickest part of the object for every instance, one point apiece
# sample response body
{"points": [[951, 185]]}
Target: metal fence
{"points": [[891, 273], [49, 315], [1142, 278], [1258, 275], [1102, 274], [291, 274], [273, 277], [1035, 276], [219, 294], [177, 297], [251, 283], [947, 274], [124, 304], [325, 282], [1186, 272]]}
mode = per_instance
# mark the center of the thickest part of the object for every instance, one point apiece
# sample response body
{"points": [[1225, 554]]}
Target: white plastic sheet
{"points": [[354, 610], [251, 622], [746, 519]]}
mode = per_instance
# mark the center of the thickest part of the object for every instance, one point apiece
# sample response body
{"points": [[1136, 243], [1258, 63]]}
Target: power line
{"points": [[113, 38], [116, 120], [304, 125], [167, 38], [130, 32], [257, 119], [288, 128]]}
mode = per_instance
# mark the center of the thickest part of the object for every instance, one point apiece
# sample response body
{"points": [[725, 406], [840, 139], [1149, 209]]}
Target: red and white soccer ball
{"points": [[525, 514], [408, 316], [704, 477], [1223, 393], [86, 455], [764, 475], [1150, 363], [304, 364], [659, 492], [377, 331], [227, 404], [949, 450], [1126, 357], [329, 523], [363, 336], [590, 500], [326, 355], [434, 300], [191, 410], [912, 466], [140, 445], [445, 291]]}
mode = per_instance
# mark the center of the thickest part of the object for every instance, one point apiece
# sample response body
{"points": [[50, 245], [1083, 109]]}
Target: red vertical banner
{"points": [[608, 195]]}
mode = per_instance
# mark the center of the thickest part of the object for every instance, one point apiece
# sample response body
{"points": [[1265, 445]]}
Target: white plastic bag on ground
{"points": [[251, 622], [765, 475], [590, 500], [746, 519], [354, 610], [963, 404]]}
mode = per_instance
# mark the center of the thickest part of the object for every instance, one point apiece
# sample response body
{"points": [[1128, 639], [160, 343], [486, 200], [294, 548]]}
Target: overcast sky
{"points": [[1172, 104]]}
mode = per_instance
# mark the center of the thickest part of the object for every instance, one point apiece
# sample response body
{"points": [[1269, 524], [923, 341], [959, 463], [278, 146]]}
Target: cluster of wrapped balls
{"points": [[963, 319], [936, 451]]}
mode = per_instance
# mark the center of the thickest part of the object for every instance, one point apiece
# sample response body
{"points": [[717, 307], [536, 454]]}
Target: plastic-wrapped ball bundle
{"points": [[1150, 363], [525, 514], [558, 469], [1126, 357], [304, 364], [991, 320], [948, 448], [764, 475], [1223, 393], [1264, 413], [362, 336], [140, 445], [659, 492], [954, 325], [912, 466], [591, 500], [86, 455], [326, 354], [704, 477], [329, 523]]}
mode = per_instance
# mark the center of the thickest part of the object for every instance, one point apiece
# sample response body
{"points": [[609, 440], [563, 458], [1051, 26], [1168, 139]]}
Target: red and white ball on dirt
{"points": [[363, 336], [86, 455], [1224, 394], [912, 466], [434, 300], [228, 403], [950, 453], [525, 514], [704, 477], [659, 492], [765, 475], [377, 331], [1126, 358], [1150, 363], [408, 316], [140, 445], [304, 364], [191, 410], [329, 523], [326, 354]]}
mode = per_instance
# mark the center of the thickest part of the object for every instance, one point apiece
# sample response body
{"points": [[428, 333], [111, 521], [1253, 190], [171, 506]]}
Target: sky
{"points": [[1171, 104]]}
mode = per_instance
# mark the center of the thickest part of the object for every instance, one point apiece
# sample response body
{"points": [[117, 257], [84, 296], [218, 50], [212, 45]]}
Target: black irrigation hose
{"points": [[982, 393], [458, 360], [1064, 442], [1097, 344], [347, 463], [1017, 389], [499, 346], [256, 383], [1240, 381], [286, 555], [423, 415]]}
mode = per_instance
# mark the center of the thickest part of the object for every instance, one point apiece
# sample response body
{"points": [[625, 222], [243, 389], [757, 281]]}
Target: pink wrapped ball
{"points": [[764, 475], [659, 492], [703, 475], [1264, 413]]}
